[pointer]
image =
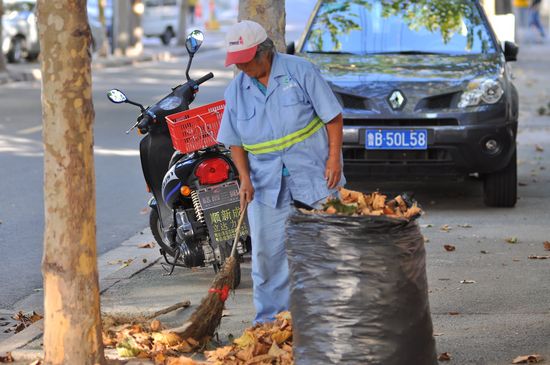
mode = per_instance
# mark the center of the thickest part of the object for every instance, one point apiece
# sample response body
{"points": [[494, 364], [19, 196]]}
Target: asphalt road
{"points": [[121, 194]]}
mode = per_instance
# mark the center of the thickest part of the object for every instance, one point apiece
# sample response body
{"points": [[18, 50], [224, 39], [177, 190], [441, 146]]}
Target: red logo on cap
{"points": [[240, 41]]}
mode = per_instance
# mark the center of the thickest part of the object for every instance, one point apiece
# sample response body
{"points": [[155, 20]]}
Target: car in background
{"points": [[426, 90], [19, 31], [160, 19]]}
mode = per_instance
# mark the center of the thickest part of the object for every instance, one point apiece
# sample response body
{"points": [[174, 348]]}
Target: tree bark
{"points": [[182, 23], [2, 58], [72, 333], [270, 14]]}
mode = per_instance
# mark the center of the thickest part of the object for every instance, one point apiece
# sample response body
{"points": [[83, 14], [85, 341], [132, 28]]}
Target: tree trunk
{"points": [[104, 46], [270, 14], [182, 22], [72, 333], [2, 59], [136, 31], [121, 26]]}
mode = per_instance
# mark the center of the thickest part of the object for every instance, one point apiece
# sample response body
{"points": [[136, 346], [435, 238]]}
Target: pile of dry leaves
{"points": [[268, 343], [356, 203], [148, 340]]}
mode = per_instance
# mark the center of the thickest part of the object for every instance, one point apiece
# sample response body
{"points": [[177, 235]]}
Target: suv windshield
{"points": [[401, 27]]}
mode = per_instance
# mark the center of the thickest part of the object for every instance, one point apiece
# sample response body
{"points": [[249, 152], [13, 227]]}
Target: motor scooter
{"points": [[192, 179]]}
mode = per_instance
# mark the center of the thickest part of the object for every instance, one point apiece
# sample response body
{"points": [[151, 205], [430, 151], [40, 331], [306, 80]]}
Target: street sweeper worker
{"points": [[283, 125]]}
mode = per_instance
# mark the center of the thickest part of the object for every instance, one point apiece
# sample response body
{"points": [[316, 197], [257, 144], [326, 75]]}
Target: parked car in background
{"points": [[19, 31], [426, 90], [160, 19]]}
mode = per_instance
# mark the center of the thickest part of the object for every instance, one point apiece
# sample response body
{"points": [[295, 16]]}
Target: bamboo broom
{"points": [[207, 317]]}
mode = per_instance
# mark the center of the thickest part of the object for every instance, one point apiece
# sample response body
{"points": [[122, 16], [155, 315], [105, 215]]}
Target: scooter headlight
{"points": [[488, 91]]}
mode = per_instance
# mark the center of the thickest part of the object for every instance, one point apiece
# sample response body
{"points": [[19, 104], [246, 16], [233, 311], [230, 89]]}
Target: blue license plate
{"points": [[396, 139]]}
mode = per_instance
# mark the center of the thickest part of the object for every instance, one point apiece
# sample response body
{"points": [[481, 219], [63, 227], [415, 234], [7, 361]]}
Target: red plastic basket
{"points": [[195, 129]]}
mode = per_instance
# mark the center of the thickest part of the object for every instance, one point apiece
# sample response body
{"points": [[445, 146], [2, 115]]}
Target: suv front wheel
{"points": [[500, 187]]}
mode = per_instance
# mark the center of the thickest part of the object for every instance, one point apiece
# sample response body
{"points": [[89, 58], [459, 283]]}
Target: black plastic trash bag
{"points": [[359, 293]]}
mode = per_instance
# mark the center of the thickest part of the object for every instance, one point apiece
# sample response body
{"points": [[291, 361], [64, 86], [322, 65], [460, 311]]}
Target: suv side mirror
{"points": [[290, 48], [510, 51]]}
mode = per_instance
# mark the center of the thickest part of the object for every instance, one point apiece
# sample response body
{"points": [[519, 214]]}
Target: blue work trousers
{"points": [[270, 275]]}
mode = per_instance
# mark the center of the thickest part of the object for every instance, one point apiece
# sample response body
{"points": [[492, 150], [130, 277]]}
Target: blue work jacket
{"points": [[296, 94]]}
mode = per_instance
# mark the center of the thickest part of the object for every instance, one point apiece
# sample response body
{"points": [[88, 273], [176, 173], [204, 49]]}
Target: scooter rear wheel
{"points": [[156, 229]]}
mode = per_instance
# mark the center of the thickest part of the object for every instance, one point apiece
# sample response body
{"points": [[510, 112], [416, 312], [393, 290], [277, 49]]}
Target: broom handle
{"points": [[238, 230]]}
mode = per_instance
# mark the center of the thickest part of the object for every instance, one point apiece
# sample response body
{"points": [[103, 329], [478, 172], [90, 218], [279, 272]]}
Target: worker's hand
{"points": [[246, 192], [333, 171]]}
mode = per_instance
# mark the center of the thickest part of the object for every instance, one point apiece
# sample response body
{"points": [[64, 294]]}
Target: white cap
{"points": [[242, 40]]}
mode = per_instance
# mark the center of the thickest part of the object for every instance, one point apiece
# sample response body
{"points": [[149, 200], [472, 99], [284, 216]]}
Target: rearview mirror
{"points": [[194, 41], [510, 51], [290, 48], [117, 96]]}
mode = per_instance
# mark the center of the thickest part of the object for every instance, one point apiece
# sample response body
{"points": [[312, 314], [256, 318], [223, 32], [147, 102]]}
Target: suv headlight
{"points": [[488, 91]]}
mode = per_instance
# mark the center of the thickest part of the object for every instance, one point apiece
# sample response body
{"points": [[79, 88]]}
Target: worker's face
{"points": [[257, 68]]}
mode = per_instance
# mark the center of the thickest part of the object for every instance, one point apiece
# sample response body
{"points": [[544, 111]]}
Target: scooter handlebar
{"points": [[206, 77]]}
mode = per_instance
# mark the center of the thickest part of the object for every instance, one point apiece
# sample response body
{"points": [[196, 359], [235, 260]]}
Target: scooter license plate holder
{"points": [[221, 207]]}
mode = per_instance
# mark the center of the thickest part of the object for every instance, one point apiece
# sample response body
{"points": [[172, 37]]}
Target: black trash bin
{"points": [[359, 292]]}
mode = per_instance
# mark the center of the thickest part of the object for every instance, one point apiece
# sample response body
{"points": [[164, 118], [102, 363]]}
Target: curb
{"points": [[142, 259]]}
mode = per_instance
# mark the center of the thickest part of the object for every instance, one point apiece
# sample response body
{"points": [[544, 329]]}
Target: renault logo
{"points": [[397, 100]]}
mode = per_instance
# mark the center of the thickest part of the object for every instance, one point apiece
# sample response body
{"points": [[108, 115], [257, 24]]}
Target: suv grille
{"points": [[393, 156]]}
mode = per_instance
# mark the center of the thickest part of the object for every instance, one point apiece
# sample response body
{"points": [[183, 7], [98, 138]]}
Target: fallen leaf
{"points": [[166, 338], [467, 282], [444, 356], [528, 359], [539, 257], [7, 358], [182, 360], [427, 226], [276, 350], [445, 228], [546, 245], [449, 248], [155, 325], [281, 336], [147, 245], [539, 148], [128, 347], [483, 251], [245, 340], [454, 313], [512, 240]]}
